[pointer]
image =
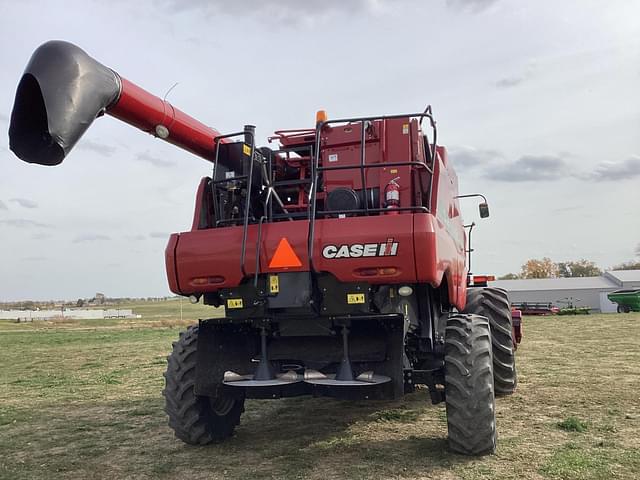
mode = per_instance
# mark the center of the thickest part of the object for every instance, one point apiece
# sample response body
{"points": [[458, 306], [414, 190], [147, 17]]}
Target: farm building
{"points": [[583, 291]]}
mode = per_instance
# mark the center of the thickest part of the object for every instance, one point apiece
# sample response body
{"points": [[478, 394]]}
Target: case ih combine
{"points": [[339, 256]]}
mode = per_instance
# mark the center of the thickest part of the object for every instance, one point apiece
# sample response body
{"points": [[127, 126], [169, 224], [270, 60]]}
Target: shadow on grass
{"points": [[290, 438], [293, 438]]}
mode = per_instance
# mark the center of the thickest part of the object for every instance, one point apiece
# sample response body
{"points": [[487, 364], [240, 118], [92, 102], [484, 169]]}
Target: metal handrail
{"points": [[315, 165], [379, 165], [420, 208], [247, 133]]}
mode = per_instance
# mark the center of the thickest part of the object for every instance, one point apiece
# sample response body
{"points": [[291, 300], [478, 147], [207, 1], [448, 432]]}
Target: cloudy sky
{"points": [[537, 101]]}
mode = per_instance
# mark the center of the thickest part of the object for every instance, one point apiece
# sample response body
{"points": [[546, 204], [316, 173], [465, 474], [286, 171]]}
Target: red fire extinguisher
{"points": [[392, 196]]}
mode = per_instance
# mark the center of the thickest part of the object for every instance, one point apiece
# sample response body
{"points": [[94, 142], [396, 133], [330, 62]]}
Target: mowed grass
{"points": [[83, 400]]}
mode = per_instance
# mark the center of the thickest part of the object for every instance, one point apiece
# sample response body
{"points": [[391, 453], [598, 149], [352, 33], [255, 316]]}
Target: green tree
{"points": [[627, 266], [578, 268], [539, 268]]}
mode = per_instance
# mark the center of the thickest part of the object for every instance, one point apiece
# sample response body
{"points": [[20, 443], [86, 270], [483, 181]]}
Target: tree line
{"points": [[547, 268]]}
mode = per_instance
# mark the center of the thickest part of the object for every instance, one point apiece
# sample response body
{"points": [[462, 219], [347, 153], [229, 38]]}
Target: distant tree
{"points": [[627, 266], [579, 268], [509, 276], [80, 303], [539, 268]]}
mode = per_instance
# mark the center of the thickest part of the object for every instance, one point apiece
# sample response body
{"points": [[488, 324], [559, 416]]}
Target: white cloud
{"points": [[154, 160], [613, 171], [24, 202], [91, 237]]}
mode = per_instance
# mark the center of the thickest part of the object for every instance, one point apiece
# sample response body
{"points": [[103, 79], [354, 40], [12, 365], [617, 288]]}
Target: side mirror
{"points": [[484, 210]]}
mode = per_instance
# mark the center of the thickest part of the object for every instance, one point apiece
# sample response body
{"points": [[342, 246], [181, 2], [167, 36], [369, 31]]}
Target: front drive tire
{"points": [[494, 304], [196, 420], [469, 393]]}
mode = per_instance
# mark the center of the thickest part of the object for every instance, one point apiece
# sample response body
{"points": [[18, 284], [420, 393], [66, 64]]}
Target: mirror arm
{"points": [[472, 195]]}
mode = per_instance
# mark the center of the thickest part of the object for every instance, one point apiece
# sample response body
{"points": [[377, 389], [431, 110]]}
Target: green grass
{"points": [[83, 400], [572, 424]]}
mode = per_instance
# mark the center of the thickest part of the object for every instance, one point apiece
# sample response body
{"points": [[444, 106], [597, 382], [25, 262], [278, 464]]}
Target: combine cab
{"points": [[338, 253]]}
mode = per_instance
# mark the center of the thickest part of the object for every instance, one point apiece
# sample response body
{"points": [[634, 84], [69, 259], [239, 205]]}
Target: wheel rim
{"points": [[222, 406]]}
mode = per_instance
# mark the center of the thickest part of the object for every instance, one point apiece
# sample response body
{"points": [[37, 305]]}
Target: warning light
{"points": [[321, 116], [285, 257]]}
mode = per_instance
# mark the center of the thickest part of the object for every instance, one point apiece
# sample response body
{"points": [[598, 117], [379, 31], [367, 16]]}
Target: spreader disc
{"points": [[331, 381], [232, 379]]}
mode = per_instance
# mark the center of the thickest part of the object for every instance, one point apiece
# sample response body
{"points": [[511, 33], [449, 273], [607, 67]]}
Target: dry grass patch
{"points": [[83, 401]]}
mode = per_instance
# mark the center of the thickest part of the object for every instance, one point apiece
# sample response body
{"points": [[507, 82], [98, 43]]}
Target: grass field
{"points": [[82, 400]]}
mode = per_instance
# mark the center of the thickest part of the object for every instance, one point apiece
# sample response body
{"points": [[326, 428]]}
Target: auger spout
{"points": [[63, 90]]}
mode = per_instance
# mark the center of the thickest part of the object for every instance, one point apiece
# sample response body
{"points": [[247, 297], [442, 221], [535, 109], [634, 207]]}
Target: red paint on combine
{"points": [[145, 111]]}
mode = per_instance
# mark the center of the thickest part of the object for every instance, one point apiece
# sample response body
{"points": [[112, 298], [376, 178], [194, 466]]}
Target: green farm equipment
{"points": [[571, 308], [627, 300]]}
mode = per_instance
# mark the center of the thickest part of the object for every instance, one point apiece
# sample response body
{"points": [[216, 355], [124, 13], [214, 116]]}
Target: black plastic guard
{"points": [[59, 95], [222, 348]]}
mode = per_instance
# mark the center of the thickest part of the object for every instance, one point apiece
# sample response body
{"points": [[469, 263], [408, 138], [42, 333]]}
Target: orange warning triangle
{"points": [[284, 256]]}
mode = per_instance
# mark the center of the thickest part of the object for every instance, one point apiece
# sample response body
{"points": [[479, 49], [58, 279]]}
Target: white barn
{"points": [[585, 291]]}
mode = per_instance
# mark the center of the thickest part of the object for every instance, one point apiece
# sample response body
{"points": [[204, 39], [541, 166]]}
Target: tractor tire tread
{"points": [[494, 304], [469, 393], [191, 416]]}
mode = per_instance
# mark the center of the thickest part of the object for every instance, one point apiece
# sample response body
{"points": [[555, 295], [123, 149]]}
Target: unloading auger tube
{"points": [[63, 90]]}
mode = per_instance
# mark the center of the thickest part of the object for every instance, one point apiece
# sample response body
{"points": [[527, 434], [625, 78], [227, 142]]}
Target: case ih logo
{"points": [[358, 250]]}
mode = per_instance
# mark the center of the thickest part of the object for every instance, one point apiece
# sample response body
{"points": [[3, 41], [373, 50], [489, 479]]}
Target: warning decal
{"points": [[285, 256]]}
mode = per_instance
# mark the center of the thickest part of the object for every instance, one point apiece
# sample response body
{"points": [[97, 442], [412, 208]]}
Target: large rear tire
{"points": [[470, 400], [196, 420], [494, 304]]}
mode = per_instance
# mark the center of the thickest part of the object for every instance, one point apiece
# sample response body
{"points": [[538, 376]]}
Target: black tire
{"points": [[470, 400], [196, 420], [493, 303]]}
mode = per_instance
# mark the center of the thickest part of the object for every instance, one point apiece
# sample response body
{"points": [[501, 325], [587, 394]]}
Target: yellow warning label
{"points": [[274, 284], [234, 303], [355, 298], [246, 149], [405, 128]]}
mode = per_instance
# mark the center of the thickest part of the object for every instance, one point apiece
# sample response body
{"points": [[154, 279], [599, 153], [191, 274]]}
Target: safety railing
{"points": [[316, 169], [312, 213]]}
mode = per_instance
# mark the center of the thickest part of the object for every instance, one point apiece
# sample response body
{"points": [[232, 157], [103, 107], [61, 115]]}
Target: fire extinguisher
{"points": [[392, 196]]}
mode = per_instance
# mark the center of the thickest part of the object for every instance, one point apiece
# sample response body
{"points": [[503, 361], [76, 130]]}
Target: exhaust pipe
{"points": [[63, 90]]}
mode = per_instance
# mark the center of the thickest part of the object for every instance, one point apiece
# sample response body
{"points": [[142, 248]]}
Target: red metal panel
{"points": [[341, 147], [428, 269], [398, 149], [197, 211], [207, 260], [170, 263], [367, 231], [204, 256]]}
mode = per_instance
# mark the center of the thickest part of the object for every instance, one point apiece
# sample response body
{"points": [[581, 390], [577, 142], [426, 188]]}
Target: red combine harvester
{"points": [[339, 257]]}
